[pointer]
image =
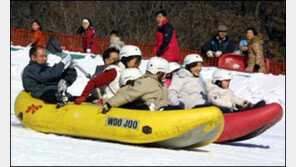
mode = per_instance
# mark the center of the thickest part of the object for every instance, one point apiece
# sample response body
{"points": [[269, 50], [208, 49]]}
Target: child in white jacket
{"points": [[186, 89], [219, 94], [115, 41]]}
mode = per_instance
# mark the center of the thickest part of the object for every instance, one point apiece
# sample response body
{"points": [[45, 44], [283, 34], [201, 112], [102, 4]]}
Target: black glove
{"points": [[159, 52], [181, 105], [256, 68], [106, 108]]}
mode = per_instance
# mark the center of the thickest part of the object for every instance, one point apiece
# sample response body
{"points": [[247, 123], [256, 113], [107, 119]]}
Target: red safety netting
{"points": [[75, 43]]}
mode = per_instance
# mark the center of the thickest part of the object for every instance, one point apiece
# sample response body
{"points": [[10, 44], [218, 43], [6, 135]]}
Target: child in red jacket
{"points": [[90, 43], [38, 38]]}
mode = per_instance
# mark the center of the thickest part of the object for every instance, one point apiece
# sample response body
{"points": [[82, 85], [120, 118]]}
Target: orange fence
{"points": [[75, 43]]}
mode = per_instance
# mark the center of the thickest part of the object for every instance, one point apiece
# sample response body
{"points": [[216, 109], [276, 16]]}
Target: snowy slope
{"points": [[33, 148]]}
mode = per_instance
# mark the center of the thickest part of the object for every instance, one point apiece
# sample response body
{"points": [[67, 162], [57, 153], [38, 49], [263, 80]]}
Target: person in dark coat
{"points": [[90, 44], [166, 45], [44, 82], [219, 44]]}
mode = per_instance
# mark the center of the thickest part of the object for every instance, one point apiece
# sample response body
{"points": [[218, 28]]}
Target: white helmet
{"points": [[173, 66], [220, 75], [157, 64], [129, 74], [129, 50], [191, 58]]}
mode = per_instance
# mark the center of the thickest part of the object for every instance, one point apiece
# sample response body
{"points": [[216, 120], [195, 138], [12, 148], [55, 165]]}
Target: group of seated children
{"points": [[119, 83]]}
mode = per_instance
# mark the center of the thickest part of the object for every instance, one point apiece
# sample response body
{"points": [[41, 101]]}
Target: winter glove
{"points": [[87, 50], [79, 100], [218, 53], [159, 52], [181, 105], [30, 44], [210, 54], [246, 106], [66, 60], [106, 108], [256, 68], [72, 64]]}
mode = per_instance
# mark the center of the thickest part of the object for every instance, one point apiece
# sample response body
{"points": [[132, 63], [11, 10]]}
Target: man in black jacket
{"points": [[219, 44], [45, 82]]}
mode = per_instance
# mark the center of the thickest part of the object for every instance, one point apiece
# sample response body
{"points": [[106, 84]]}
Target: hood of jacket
{"points": [[183, 73], [255, 40], [114, 39]]}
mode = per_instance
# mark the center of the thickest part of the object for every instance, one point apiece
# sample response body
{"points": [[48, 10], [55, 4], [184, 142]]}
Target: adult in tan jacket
{"points": [[150, 88], [219, 93], [255, 52]]}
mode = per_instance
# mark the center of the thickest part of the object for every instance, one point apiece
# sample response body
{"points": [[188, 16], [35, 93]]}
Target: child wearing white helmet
{"points": [[150, 88], [221, 95], [130, 57], [173, 68], [186, 89]]}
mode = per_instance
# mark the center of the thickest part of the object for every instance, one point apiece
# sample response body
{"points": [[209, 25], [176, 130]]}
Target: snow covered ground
{"points": [[33, 148]]}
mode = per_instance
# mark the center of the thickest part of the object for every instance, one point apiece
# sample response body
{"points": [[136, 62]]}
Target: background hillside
{"points": [[195, 22]]}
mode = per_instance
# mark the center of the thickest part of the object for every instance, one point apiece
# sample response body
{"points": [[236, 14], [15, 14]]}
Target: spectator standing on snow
{"points": [[166, 45], [219, 44], [255, 52], [90, 44], [45, 82], [37, 38], [115, 41]]}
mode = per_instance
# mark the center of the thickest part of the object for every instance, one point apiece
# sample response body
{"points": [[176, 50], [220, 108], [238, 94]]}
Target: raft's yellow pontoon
{"points": [[172, 129]]}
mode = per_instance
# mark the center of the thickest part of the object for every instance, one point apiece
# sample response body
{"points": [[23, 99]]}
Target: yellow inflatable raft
{"points": [[171, 129]]}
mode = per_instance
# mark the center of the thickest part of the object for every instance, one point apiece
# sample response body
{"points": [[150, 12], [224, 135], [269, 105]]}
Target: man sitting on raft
{"points": [[48, 83]]}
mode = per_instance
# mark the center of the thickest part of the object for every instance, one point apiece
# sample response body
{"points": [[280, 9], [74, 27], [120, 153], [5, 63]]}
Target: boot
{"points": [[259, 104], [62, 97]]}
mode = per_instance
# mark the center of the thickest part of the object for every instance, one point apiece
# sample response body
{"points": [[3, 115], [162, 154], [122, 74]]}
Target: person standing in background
{"points": [[90, 44], [219, 44], [37, 38], [255, 52], [115, 41], [166, 45]]}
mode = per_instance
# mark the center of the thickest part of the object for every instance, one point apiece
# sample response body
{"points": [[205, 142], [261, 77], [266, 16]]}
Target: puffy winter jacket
{"points": [[222, 97], [89, 41], [97, 92], [166, 42], [112, 87], [38, 78], [108, 80], [255, 54], [225, 45], [147, 88], [187, 89], [116, 43], [38, 38]]}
